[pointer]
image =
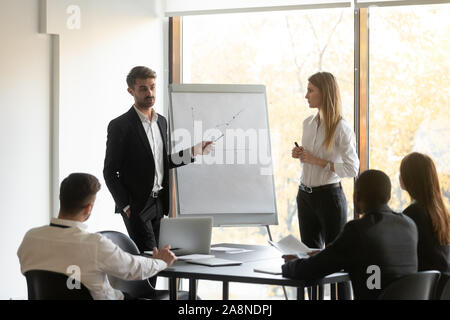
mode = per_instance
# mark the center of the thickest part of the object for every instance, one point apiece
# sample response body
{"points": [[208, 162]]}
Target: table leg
{"points": [[333, 291], [301, 293], [192, 289], [173, 288], [285, 293], [225, 290], [316, 292]]}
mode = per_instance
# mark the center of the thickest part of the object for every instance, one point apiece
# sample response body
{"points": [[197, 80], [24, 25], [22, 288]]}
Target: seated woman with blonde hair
{"points": [[418, 176]]}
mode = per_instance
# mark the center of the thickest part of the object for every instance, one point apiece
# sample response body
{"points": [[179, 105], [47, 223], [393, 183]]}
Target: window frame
{"points": [[361, 79]]}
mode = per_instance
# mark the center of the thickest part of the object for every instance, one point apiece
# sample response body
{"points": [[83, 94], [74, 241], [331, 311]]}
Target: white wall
{"points": [[24, 134], [115, 35]]}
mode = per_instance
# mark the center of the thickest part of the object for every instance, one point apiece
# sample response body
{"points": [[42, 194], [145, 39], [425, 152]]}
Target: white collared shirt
{"points": [[56, 249], [156, 144], [342, 153]]}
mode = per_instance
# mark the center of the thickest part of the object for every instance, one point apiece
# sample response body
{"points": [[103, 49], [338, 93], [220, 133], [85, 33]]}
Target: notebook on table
{"points": [[269, 269], [215, 262]]}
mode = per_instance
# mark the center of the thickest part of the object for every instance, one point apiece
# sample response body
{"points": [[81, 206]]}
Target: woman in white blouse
{"points": [[328, 154]]}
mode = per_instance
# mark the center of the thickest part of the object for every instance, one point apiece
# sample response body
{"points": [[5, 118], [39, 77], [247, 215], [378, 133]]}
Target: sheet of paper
{"points": [[212, 262], [239, 251], [195, 256], [269, 269], [228, 249], [291, 245]]}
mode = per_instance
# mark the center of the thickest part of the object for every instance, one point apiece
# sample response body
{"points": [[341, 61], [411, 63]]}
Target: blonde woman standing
{"points": [[328, 154]]}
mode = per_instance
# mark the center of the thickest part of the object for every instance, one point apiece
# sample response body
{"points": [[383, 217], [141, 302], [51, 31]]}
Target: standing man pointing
{"points": [[137, 163]]}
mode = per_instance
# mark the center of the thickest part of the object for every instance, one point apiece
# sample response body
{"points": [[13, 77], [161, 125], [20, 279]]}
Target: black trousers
{"points": [[322, 215], [143, 227]]}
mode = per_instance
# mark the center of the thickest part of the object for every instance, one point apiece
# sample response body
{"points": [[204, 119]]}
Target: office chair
{"points": [[48, 285], [443, 292], [141, 289], [418, 286]]}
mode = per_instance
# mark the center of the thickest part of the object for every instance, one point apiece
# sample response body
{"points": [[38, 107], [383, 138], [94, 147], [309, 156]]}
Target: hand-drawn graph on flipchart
{"points": [[234, 183]]}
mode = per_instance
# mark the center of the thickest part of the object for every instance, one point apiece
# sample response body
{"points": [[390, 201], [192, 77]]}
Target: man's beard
{"points": [[147, 103]]}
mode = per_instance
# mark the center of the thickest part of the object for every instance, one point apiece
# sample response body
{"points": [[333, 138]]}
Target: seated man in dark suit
{"points": [[375, 249]]}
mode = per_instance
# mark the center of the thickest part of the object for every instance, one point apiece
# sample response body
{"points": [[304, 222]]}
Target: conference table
{"points": [[253, 256]]}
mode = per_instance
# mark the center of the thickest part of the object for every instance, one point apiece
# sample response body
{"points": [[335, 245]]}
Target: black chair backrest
{"points": [[122, 240], [444, 287], [136, 288], [48, 285], [418, 286]]}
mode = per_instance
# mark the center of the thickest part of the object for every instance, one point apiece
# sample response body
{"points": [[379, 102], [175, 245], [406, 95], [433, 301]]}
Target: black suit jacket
{"points": [[381, 237], [431, 254], [129, 168]]}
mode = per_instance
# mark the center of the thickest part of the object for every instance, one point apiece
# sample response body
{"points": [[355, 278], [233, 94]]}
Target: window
{"points": [[409, 91], [409, 77], [280, 50]]}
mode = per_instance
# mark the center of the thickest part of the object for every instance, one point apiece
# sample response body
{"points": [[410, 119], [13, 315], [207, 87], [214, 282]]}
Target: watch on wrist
{"points": [[328, 166]]}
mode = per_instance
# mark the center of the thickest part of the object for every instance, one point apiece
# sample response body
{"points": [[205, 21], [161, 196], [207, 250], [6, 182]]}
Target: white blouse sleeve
{"points": [[346, 146]]}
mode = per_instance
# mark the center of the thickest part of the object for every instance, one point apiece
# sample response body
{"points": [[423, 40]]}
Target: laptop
{"points": [[186, 235]]}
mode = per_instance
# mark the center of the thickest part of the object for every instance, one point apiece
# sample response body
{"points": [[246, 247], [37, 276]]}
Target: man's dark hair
{"points": [[139, 72], [76, 192], [373, 187]]}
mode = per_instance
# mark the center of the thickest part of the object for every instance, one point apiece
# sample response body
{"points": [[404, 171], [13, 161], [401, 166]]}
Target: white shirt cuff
{"points": [[160, 264]]}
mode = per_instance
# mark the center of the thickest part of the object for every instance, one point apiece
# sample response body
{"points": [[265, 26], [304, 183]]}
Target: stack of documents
{"points": [[229, 249], [290, 245], [208, 260], [195, 257], [272, 269], [215, 262]]}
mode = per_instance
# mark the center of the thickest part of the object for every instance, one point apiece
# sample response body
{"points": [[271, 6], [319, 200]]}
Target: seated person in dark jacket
{"points": [[375, 249], [418, 176]]}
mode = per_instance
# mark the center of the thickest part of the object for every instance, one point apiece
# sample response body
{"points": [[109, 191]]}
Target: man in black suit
{"points": [[137, 163], [375, 249]]}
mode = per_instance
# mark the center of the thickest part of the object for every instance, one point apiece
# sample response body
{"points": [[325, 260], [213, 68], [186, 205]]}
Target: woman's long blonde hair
{"points": [[419, 176], [331, 106]]}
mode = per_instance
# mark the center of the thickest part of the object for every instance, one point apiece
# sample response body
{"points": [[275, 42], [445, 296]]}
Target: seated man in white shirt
{"points": [[65, 243]]}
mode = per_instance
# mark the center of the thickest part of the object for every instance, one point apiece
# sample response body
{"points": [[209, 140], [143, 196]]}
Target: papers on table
{"points": [[188, 256], [290, 245], [269, 269], [215, 262], [195, 256], [229, 250]]}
